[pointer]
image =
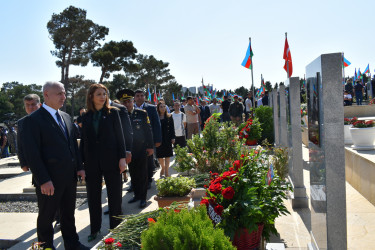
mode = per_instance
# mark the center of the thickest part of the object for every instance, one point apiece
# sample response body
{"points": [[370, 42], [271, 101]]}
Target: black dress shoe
{"points": [[91, 237], [132, 200], [143, 204]]}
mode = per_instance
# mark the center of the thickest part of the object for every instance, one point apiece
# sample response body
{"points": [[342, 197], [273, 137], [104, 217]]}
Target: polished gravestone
{"points": [[299, 198], [283, 119], [326, 152], [275, 107]]}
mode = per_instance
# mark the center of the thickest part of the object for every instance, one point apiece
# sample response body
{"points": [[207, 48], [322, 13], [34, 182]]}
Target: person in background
{"points": [[347, 99], [139, 99], [265, 99], [192, 117], [104, 154], [31, 103], [349, 86], [248, 105], [358, 92], [225, 107], [4, 144], [214, 106], [52, 155], [165, 151], [236, 111], [183, 104], [179, 120], [260, 101], [143, 146], [166, 106], [205, 113]]}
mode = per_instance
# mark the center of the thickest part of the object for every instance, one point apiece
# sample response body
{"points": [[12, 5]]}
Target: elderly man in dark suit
{"points": [[52, 155], [139, 99]]}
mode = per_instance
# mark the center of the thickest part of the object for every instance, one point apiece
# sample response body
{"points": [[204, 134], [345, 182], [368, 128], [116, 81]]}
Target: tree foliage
{"points": [[75, 37], [242, 91], [150, 71], [76, 93], [114, 56], [11, 98], [119, 82]]}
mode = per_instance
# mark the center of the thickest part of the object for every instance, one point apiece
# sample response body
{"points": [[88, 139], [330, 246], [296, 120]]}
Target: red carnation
{"points": [[215, 188], [217, 180], [248, 129], [109, 241], [256, 152], [246, 136], [118, 244], [228, 193], [236, 164], [242, 156], [219, 209], [151, 220], [204, 202]]}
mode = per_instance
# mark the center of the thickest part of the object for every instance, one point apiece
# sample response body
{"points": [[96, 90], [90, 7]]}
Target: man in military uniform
{"points": [[143, 146]]}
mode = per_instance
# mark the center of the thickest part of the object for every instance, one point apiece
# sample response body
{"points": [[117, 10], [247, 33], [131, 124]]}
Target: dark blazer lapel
{"points": [[68, 124], [52, 121]]}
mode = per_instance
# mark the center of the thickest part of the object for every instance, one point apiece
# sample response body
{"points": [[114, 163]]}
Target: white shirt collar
{"points": [[141, 107], [52, 111]]}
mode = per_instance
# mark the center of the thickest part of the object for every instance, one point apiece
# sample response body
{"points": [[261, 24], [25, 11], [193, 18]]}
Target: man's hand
{"points": [[47, 188], [157, 144], [173, 141], [150, 151], [128, 157], [25, 168], [122, 165], [82, 173]]}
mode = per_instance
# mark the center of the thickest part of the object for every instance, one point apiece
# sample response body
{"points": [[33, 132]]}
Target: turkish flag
{"points": [[288, 58]]}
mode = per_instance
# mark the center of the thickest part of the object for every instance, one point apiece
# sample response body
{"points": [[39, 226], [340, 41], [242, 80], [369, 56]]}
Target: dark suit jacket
{"points": [[21, 153], [102, 151], [126, 125], [205, 112], [49, 154], [154, 120]]}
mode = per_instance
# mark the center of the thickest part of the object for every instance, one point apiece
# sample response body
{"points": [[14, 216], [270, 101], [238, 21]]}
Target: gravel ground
{"points": [[27, 206]]}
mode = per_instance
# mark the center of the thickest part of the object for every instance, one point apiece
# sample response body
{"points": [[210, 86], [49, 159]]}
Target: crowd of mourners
{"points": [[359, 90]]}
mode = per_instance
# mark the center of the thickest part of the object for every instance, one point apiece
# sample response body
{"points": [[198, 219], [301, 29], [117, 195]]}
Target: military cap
{"points": [[125, 94]]}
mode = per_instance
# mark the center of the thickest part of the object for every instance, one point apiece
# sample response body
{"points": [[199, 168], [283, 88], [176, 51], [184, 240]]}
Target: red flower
{"points": [[236, 164], [151, 220], [248, 143], [109, 241], [118, 244], [219, 209], [215, 188], [204, 202], [205, 186], [246, 136], [231, 169], [242, 156], [217, 180], [256, 152], [228, 193], [248, 129]]}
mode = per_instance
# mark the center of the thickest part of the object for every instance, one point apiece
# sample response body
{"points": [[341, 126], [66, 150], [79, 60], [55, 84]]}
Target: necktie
{"points": [[61, 124]]}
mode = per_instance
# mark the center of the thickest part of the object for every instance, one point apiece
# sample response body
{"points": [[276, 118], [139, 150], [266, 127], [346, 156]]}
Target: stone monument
{"points": [[326, 152], [299, 198], [275, 107], [282, 122]]}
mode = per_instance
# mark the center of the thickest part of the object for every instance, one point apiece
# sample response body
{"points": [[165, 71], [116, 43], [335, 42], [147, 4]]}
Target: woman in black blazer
{"points": [[165, 151], [103, 153]]}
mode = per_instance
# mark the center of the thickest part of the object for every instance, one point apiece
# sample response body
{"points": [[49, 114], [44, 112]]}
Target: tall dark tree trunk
{"points": [[102, 76]]}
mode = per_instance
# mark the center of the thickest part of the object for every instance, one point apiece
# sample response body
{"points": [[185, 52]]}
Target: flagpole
{"points": [[287, 64], [252, 78]]}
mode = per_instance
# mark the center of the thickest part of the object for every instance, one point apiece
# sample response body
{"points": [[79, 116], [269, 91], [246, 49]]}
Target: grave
{"points": [[299, 198], [282, 114], [326, 152], [275, 107]]}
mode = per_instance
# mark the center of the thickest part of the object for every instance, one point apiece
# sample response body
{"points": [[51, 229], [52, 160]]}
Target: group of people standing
{"points": [[113, 135]]}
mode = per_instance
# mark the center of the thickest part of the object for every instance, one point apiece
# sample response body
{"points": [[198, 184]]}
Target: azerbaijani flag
{"points": [[367, 70], [355, 75], [359, 74], [346, 62], [247, 61], [149, 93], [155, 99]]}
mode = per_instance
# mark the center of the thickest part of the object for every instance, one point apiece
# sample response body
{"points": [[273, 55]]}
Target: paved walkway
{"points": [[22, 226]]}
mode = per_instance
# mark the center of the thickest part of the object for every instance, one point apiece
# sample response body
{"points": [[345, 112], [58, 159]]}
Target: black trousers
{"points": [[181, 141], [113, 183], [150, 167], [64, 199], [138, 173]]}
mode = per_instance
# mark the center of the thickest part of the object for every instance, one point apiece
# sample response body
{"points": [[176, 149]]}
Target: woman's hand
{"points": [[122, 165]]}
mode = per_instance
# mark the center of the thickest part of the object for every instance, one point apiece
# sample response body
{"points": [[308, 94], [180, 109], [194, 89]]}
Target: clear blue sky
{"points": [[198, 38]]}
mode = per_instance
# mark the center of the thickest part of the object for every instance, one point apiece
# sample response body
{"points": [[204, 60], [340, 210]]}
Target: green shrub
{"points": [[265, 116], [280, 162], [184, 161], [175, 186], [201, 179], [184, 230]]}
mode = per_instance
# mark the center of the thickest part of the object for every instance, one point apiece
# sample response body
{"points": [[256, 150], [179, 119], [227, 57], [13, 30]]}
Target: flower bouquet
{"points": [[363, 124], [251, 131], [348, 121], [249, 195]]}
